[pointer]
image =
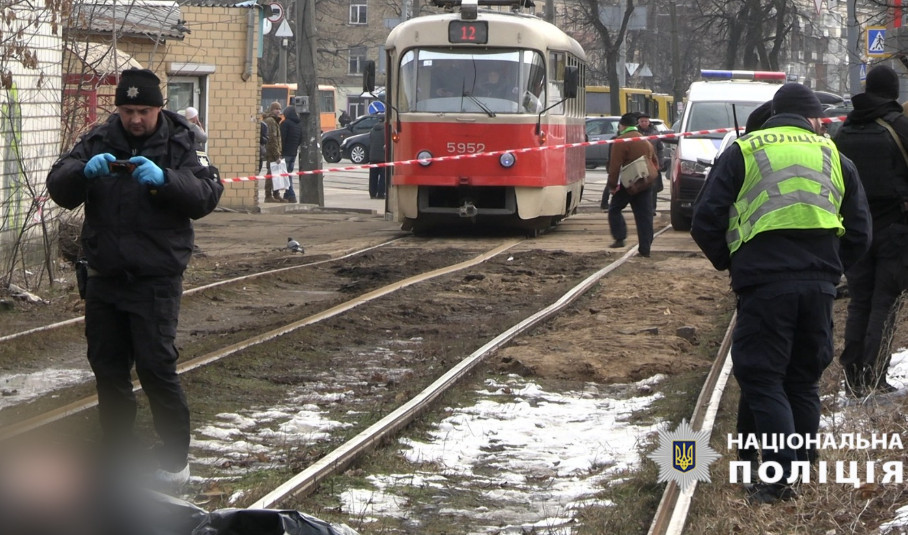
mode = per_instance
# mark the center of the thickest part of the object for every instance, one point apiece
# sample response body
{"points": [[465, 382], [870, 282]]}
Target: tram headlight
{"points": [[424, 156], [507, 160]]}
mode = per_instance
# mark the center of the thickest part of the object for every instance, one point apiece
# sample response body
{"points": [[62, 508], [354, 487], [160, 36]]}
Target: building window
{"points": [[356, 106], [357, 59], [358, 12]]}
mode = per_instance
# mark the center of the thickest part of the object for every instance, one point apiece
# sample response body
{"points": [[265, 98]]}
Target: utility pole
{"points": [[854, 53], [282, 62], [550, 11], [312, 188], [677, 91]]}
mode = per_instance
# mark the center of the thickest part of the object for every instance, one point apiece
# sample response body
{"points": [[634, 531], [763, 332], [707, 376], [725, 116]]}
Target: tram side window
{"points": [[556, 81]]}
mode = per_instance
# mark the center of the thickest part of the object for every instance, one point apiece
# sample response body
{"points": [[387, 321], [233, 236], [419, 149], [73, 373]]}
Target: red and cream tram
{"points": [[483, 100]]}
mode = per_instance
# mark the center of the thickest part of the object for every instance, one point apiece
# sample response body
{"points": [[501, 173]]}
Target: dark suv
{"points": [[331, 140]]}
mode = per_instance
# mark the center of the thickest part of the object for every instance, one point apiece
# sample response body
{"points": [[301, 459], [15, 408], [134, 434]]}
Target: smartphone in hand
{"points": [[121, 166]]}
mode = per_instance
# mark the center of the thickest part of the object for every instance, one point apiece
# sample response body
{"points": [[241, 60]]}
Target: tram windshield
{"points": [[489, 81]]}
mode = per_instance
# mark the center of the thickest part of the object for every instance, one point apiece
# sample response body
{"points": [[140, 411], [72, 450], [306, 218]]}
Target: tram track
{"points": [[673, 508], [386, 411], [201, 288], [68, 409]]}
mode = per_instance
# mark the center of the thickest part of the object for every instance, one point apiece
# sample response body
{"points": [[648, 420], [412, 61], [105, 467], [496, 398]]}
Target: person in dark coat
{"points": [[344, 118], [274, 151], [785, 249], [141, 183], [641, 202], [377, 155], [876, 281], [291, 137], [745, 424], [647, 128], [263, 141]]}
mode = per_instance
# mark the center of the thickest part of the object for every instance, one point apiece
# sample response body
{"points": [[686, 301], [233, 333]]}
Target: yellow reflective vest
{"points": [[793, 180]]}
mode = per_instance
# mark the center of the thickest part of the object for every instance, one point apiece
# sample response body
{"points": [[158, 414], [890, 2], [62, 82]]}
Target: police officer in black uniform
{"points": [[142, 182], [784, 213], [875, 136]]}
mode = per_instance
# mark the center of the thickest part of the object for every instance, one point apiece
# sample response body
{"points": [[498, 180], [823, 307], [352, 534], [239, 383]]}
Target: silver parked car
{"points": [[597, 129]]}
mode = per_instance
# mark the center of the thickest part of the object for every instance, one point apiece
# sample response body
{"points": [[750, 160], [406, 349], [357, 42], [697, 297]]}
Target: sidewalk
{"points": [[336, 199]]}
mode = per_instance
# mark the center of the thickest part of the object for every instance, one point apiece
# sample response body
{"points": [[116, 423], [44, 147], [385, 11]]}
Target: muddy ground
{"points": [[662, 315], [646, 319]]}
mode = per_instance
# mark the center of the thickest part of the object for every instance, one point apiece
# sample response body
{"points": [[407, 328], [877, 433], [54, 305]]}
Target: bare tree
{"points": [[753, 31], [609, 39]]}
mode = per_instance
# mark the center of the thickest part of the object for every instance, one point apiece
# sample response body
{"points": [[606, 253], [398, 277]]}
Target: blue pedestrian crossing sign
{"points": [[863, 71], [876, 41], [376, 106]]}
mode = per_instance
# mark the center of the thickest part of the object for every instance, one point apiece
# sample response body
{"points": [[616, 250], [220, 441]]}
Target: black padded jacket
{"points": [[134, 229]]}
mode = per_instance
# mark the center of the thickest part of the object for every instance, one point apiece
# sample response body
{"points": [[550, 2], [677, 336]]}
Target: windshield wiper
{"points": [[480, 104]]}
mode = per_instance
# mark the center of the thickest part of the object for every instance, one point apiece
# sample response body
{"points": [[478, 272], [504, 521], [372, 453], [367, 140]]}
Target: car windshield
{"points": [[716, 115], [488, 81], [601, 127]]}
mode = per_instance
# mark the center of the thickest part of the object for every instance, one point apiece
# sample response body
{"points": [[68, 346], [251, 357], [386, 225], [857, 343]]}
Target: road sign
{"points": [[876, 41], [863, 71], [376, 106], [277, 13], [284, 30]]}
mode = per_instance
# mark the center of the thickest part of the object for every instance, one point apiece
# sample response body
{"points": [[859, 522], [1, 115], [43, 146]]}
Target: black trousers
{"points": [[377, 182], [134, 323], [875, 284], [781, 344], [642, 206]]}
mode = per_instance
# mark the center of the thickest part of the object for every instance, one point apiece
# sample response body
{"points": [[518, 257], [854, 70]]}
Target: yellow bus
{"points": [[327, 96], [598, 101], [664, 108]]}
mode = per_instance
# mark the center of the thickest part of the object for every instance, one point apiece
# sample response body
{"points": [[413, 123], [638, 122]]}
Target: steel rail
{"points": [[332, 463], [190, 291], [30, 424], [671, 514]]}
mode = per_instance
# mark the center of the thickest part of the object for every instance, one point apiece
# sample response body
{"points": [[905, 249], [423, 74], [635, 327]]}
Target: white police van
{"points": [[723, 99]]}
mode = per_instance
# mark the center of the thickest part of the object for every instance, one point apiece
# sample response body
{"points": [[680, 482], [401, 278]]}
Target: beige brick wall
{"points": [[219, 38]]}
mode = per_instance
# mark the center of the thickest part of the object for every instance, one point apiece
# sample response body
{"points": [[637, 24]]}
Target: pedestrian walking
{"points": [[344, 118], [377, 155], [263, 143], [273, 151], [874, 136], [623, 154], [291, 137], [141, 184], [785, 214]]}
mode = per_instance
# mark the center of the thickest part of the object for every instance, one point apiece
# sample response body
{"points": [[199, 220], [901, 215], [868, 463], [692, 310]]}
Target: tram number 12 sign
{"points": [[474, 31]]}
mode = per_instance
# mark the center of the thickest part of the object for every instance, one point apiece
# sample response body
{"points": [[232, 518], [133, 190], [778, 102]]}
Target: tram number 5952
{"points": [[465, 148]]}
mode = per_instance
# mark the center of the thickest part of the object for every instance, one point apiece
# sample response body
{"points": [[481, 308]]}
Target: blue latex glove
{"points": [[97, 166], [147, 172]]}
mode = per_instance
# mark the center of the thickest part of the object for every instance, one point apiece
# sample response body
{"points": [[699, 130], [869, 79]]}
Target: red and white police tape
{"points": [[500, 152]]}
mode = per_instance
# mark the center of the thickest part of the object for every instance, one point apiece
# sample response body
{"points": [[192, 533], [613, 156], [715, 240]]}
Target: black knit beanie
{"points": [[628, 119], [798, 99], [759, 116], [882, 81], [139, 87]]}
